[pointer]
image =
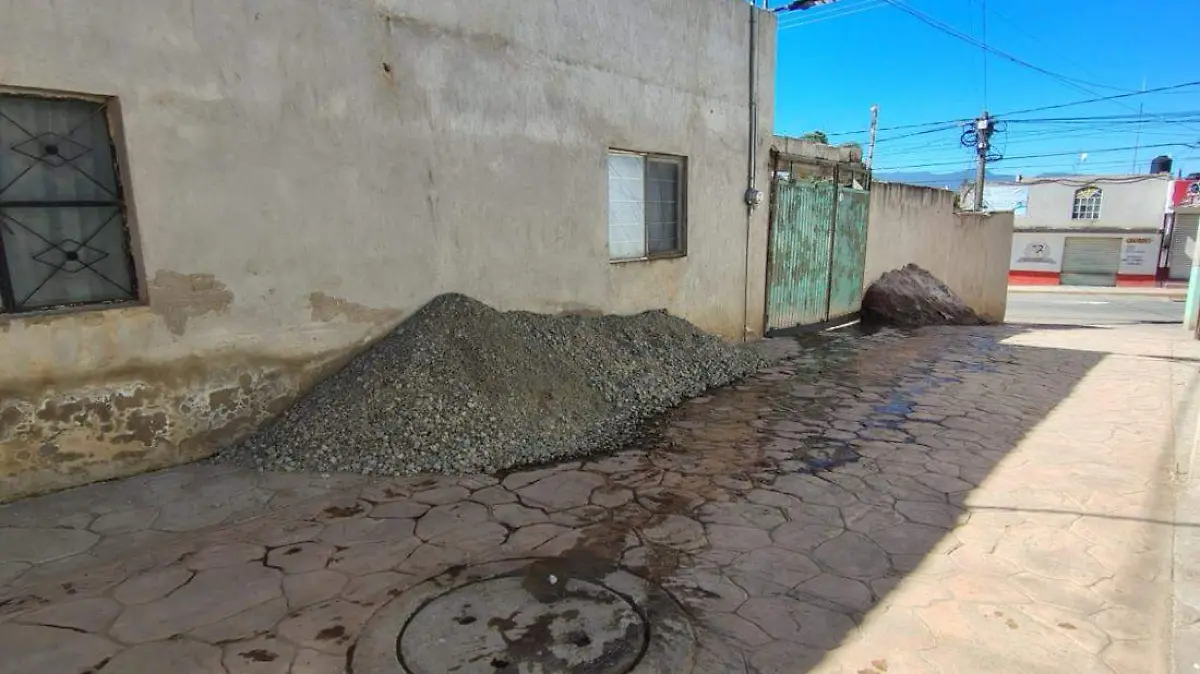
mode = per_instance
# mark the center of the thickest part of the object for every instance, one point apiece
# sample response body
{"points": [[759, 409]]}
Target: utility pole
{"points": [[1137, 142], [984, 126], [871, 144]]}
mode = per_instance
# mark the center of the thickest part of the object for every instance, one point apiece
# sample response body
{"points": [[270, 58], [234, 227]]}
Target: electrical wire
{"points": [[1113, 97], [967, 170], [945, 127], [837, 12], [1049, 154], [944, 122], [1106, 118], [1072, 82], [954, 32], [1058, 106], [823, 18], [1038, 135], [1020, 28], [1108, 124], [984, 13], [1027, 138]]}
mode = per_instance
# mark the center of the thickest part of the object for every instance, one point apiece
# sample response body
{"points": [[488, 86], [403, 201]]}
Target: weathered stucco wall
{"points": [[968, 252], [303, 175]]}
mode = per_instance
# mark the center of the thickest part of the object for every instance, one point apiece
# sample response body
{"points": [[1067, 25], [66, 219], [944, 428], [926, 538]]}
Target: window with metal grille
{"points": [[646, 199], [63, 237], [1087, 203]]}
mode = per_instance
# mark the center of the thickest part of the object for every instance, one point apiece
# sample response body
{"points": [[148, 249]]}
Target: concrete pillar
{"points": [[1191, 321]]}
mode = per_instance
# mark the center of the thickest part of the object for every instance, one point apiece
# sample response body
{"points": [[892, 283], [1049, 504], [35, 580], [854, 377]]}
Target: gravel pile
{"points": [[911, 297], [460, 387]]}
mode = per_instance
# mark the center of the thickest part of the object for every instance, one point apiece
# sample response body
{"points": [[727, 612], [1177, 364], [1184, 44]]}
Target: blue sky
{"points": [[836, 60]]}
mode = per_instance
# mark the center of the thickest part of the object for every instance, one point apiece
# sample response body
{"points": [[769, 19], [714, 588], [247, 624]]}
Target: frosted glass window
{"points": [[626, 206]]}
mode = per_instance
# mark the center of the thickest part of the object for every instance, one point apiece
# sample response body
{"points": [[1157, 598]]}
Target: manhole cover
{"points": [[513, 623], [528, 617]]}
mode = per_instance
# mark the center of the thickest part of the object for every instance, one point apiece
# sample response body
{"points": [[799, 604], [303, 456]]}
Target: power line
{"points": [[1111, 124], [1049, 154], [984, 12], [952, 122], [962, 174], [949, 156], [954, 32], [820, 19], [1113, 97], [1017, 25], [1083, 128], [1072, 82], [1025, 139], [837, 12], [944, 127], [1058, 106]]}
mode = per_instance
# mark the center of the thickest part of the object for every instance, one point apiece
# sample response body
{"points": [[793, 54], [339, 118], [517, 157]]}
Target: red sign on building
{"points": [[1185, 193]]}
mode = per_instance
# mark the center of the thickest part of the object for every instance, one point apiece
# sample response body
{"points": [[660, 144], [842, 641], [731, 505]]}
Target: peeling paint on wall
{"points": [[51, 439], [327, 308], [177, 297]]}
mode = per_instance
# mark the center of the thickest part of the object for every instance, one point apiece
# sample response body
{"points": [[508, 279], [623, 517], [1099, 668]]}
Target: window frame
{"points": [[681, 192], [1080, 206], [109, 108]]}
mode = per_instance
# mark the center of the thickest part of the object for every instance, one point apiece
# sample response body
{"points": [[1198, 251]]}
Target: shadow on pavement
{"points": [[821, 483]]}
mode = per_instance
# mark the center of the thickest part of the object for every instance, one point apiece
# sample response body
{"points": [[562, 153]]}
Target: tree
{"points": [[816, 136]]}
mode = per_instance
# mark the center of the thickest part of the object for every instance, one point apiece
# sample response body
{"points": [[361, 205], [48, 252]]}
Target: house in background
{"points": [[1085, 230]]}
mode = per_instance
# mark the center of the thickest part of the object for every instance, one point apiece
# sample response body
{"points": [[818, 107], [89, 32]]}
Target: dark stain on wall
{"points": [[177, 297], [326, 308]]}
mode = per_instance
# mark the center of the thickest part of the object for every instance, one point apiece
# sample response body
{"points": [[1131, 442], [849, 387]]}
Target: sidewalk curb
{"points": [[1185, 540], [1170, 293]]}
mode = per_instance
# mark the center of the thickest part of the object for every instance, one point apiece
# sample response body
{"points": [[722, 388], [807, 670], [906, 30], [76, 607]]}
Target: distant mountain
{"points": [[950, 180]]}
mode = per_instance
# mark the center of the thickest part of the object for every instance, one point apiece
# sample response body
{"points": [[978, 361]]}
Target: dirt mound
{"points": [[460, 387], [911, 297]]}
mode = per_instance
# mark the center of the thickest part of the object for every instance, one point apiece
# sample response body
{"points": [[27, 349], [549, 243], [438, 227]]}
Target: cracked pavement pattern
{"points": [[958, 500]]}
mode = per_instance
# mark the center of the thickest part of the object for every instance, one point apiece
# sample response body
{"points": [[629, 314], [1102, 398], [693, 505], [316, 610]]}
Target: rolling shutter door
{"points": [[1183, 245], [1091, 261]]}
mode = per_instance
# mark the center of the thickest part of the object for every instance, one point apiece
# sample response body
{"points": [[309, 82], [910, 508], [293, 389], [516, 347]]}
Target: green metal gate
{"points": [[849, 252], [817, 251]]}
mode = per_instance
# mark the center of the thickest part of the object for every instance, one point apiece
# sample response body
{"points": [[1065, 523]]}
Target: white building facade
{"points": [[1086, 230]]}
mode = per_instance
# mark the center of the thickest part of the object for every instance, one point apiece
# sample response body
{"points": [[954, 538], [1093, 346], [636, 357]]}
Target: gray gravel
{"points": [[460, 388]]}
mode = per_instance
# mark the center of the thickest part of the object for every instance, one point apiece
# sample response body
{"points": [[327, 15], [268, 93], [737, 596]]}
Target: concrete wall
{"points": [[805, 148], [1037, 256], [1128, 202], [968, 252], [303, 175]]}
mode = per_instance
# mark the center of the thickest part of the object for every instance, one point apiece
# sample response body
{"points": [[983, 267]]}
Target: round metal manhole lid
{"points": [[527, 623], [530, 616]]}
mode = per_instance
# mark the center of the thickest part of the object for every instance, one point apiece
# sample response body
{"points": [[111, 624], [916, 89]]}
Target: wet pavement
{"points": [[958, 500]]}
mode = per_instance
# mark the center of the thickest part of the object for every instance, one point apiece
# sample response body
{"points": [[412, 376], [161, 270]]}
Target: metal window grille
{"points": [[646, 205], [1087, 203], [63, 236]]}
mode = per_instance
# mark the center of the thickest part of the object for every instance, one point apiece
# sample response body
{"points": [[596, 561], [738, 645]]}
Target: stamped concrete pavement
{"points": [[958, 500]]}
